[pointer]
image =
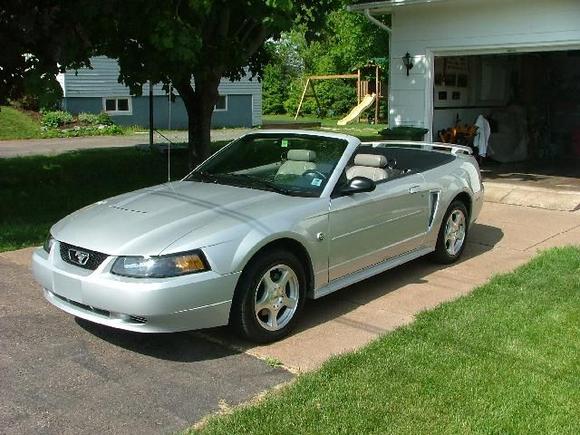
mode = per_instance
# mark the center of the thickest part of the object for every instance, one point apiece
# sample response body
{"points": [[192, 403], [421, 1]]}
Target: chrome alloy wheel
{"points": [[455, 232], [276, 298]]}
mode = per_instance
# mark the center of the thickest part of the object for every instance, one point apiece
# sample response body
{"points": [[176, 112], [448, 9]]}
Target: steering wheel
{"points": [[314, 173]]}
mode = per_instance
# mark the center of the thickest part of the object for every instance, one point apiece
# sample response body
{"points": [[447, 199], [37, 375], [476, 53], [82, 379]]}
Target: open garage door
{"points": [[531, 101]]}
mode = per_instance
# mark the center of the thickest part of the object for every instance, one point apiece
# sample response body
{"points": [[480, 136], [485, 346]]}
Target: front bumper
{"points": [[182, 303]]}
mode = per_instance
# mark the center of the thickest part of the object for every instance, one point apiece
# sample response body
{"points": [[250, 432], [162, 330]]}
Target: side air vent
{"points": [[137, 319], [433, 205]]}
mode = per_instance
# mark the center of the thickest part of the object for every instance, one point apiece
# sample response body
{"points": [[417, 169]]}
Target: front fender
{"points": [[305, 233], [240, 243]]}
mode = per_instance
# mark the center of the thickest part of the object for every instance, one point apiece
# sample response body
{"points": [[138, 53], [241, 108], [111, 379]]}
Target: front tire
{"points": [[452, 234], [269, 297]]}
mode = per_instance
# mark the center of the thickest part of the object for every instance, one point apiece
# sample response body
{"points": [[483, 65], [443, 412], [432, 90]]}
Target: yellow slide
{"points": [[367, 102]]}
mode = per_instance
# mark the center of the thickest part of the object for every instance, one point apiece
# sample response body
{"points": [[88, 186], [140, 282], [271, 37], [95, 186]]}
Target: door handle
{"points": [[414, 188]]}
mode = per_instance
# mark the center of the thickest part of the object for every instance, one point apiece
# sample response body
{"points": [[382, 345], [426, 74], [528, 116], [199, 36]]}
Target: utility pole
{"points": [[150, 114]]}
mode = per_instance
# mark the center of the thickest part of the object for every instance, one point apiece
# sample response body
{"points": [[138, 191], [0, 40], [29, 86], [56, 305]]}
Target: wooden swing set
{"points": [[362, 88]]}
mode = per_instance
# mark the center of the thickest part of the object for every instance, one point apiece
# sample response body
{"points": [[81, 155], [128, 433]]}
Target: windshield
{"points": [[289, 164]]}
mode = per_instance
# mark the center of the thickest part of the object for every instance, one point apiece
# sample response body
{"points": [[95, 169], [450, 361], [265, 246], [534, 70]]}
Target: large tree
{"points": [[37, 39], [192, 44]]}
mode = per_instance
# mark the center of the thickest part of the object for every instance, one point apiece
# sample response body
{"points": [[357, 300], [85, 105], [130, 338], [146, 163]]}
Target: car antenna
{"points": [[168, 154], [169, 161]]}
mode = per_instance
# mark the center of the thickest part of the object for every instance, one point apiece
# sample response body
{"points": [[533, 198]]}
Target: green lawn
{"points": [[37, 191], [362, 130], [15, 124], [505, 359]]}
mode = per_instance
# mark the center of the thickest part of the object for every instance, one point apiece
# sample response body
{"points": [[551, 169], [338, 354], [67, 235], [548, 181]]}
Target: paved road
{"points": [[28, 147], [61, 375]]}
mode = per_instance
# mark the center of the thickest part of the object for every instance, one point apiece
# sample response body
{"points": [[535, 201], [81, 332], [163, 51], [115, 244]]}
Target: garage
{"points": [[515, 62], [530, 100]]}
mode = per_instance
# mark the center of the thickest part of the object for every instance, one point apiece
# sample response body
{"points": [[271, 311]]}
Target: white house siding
{"points": [[102, 81], [457, 27]]}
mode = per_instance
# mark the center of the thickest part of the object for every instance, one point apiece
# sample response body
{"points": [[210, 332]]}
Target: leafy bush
{"points": [[40, 92], [275, 89], [63, 124], [101, 130], [94, 119], [55, 119], [285, 65]]}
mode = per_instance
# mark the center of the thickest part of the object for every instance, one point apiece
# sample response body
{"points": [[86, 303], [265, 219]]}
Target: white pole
{"points": [[169, 108]]}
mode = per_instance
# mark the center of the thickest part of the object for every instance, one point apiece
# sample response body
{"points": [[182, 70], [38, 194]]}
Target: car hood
{"points": [[147, 221]]}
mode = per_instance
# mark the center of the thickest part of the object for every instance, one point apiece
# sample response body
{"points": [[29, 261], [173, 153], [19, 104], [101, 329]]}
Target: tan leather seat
{"points": [[298, 162], [370, 166]]}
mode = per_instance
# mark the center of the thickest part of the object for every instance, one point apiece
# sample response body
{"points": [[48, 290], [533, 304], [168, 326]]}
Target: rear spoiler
{"points": [[454, 149]]}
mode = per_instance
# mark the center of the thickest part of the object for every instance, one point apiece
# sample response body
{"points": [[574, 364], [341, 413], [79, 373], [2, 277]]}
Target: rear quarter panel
{"points": [[451, 179]]}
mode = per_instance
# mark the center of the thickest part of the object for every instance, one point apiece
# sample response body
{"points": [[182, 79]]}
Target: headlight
{"points": [[48, 243], [162, 266]]}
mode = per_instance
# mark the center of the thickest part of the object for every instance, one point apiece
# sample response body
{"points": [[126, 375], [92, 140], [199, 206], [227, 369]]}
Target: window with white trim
{"points": [[118, 105], [222, 104]]}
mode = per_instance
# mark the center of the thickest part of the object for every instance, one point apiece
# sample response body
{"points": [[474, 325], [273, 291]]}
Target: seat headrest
{"points": [[301, 155], [372, 160]]}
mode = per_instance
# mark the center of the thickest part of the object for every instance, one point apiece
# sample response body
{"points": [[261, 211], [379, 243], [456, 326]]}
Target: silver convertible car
{"points": [[272, 219]]}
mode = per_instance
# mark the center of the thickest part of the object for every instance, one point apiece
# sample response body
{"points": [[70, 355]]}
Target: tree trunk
{"points": [[199, 104]]}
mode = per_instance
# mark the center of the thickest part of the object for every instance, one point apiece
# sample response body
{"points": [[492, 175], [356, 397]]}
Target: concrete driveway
{"points": [[59, 374]]}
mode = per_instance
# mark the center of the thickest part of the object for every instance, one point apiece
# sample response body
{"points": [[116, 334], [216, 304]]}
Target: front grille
{"points": [[76, 256], [127, 318], [84, 307]]}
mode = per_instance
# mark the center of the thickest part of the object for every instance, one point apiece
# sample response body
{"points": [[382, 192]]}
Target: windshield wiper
{"points": [[204, 177], [264, 183]]}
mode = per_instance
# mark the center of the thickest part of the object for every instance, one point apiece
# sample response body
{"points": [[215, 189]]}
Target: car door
{"points": [[368, 228]]}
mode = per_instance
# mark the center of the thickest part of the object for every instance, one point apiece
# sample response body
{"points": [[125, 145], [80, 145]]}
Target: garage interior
{"points": [[532, 103]]}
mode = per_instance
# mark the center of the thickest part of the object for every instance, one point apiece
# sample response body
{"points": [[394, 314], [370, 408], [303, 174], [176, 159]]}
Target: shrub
{"points": [[100, 130], [94, 119], [40, 92], [55, 119], [275, 89]]}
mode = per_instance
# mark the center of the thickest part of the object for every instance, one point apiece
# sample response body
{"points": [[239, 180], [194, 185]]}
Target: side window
{"points": [[118, 105], [222, 104], [110, 105]]}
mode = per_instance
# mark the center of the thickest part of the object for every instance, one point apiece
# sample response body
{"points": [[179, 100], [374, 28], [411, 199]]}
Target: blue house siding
{"points": [[238, 113], [84, 90], [83, 104]]}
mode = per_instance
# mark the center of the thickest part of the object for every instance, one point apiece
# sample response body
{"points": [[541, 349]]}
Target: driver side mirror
{"points": [[358, 185]]}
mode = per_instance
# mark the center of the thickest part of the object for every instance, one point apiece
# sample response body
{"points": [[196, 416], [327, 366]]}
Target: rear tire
{"points": [[269, 297], [452, 234]]}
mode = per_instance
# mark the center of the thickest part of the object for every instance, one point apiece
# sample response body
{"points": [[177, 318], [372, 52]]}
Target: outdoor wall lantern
{"points": [[408, 62]]}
